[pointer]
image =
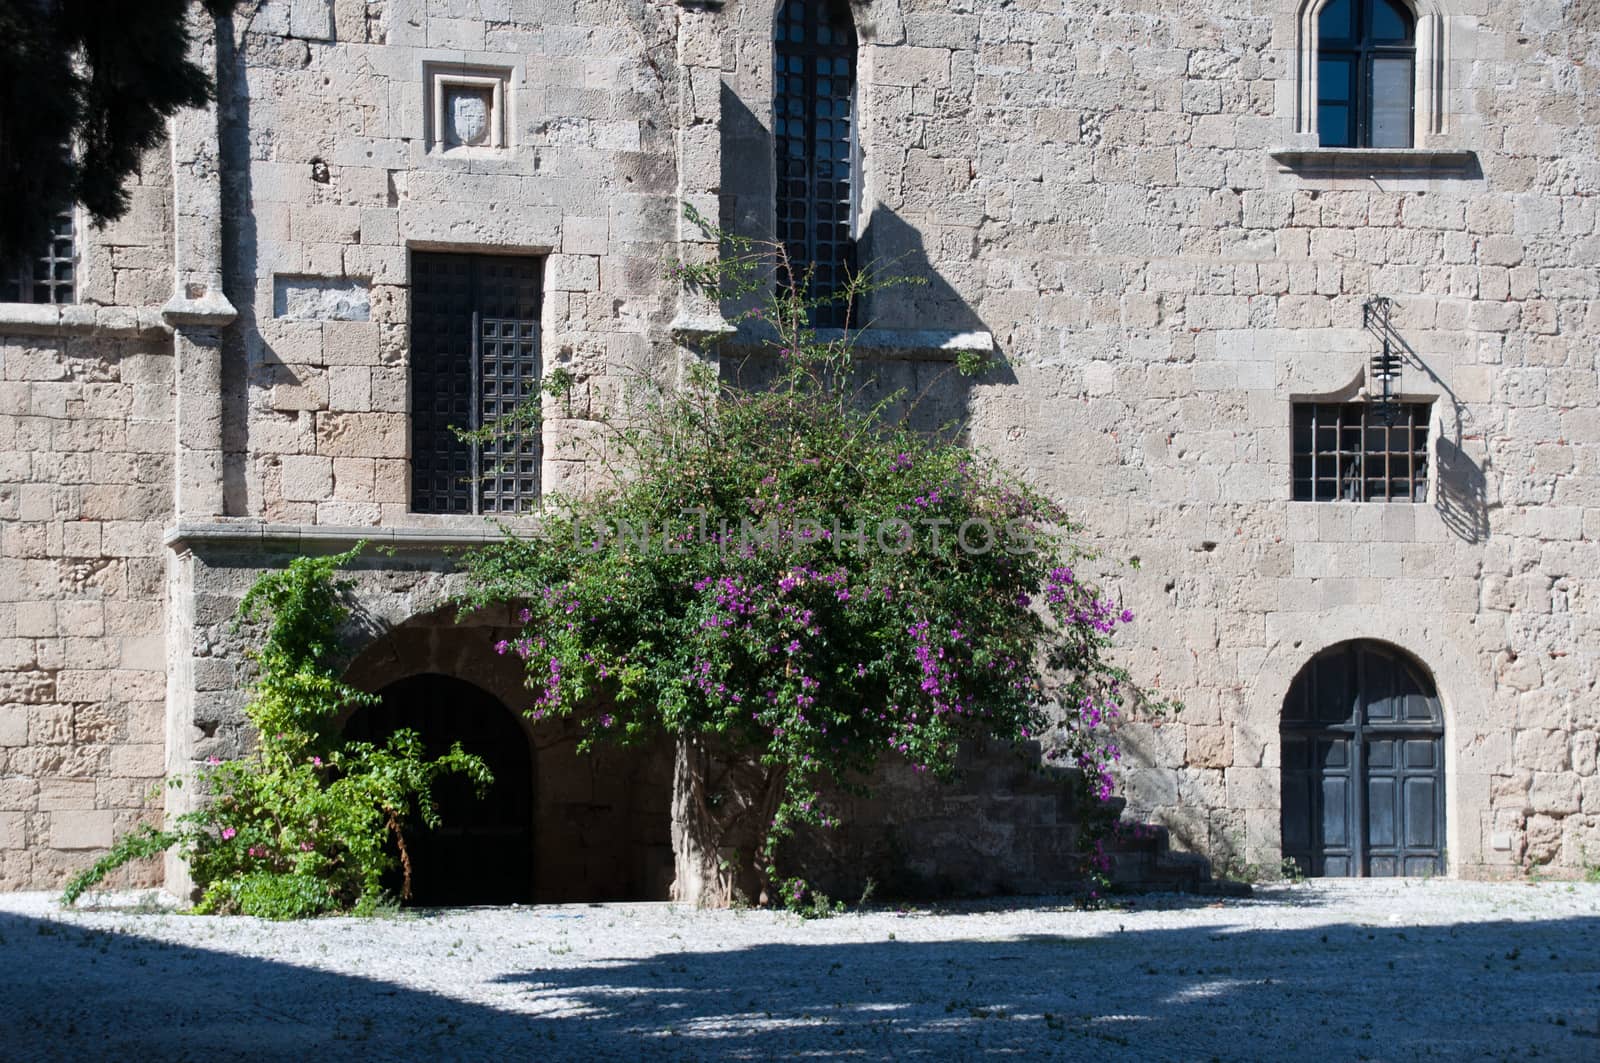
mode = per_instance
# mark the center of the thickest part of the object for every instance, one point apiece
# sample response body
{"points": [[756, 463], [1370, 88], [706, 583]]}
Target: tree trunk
{"points": [[703, 877], [721, 809]]}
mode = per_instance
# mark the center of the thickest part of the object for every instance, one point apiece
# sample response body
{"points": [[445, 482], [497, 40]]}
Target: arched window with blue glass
{"points": [[1366, 74], [818, 152]]}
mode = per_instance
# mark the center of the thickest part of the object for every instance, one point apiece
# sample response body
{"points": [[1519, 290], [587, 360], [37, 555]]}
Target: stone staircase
{"points": [[1008, 826], [1143, 861]]}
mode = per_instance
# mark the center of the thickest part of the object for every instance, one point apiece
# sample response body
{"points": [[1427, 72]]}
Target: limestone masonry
{"points": [[1133, 204]]}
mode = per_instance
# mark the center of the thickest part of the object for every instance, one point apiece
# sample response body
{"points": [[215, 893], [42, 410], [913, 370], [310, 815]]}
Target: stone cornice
{"points": [[187, 535], [78, 319]]}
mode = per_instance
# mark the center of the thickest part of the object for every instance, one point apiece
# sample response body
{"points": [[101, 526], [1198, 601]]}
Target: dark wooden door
{"points": [[1363, 765], [482, 850]]}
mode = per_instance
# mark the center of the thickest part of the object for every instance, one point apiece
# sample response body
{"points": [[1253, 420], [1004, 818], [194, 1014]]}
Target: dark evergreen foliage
{"points": [[85, 87]]}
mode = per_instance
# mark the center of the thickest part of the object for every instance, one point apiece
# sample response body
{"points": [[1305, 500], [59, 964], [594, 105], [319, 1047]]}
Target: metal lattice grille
{"points": [[51, 276], [1352, 452], [817, 149], [508, 354], [474, 355]]}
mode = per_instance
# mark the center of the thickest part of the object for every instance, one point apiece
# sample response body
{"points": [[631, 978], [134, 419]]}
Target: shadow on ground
{"points": [[1513, 990]]}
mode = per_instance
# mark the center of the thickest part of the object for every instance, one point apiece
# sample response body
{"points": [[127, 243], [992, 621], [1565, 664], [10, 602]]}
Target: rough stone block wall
{"points": [[86, 443], [1121, 196], [1098, 188], [334, 174], [85, 490]]}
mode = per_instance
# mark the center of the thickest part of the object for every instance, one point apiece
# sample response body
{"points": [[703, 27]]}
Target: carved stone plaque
{"points": [[467, 118]]}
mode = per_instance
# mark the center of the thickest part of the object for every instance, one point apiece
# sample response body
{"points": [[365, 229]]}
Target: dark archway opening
{"points": [[1363, 765], [482, 850]]}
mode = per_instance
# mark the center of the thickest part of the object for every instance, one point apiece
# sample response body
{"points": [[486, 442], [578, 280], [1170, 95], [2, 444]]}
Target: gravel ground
{"points": [[1334, 970]]}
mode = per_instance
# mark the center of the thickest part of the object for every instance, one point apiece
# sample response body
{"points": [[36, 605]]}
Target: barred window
{"points": [[818, 151], [1360, 452], [50, 274], [1366, 74], [474, 357]]}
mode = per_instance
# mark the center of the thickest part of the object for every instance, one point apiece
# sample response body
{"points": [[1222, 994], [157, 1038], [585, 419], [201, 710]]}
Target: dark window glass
{"points": [[1338, 21], [474, 358], [816, 148], [1366, 65], [1391, 22], [1358, 452], [1336, 92], [49, 275]]}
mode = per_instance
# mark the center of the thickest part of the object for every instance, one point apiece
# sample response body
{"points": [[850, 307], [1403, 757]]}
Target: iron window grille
{"points": [[474, 358], [50, 275], [817, 149], [1366, 74], [1352, 452]]}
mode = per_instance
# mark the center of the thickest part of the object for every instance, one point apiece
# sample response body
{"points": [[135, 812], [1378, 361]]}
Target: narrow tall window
{"points": [[1366, 74], [817, 147], [474, 357], [1355, 452], [49, 275]]}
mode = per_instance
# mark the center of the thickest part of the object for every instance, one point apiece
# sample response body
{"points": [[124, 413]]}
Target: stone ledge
{"points": [[77, 319], [209, 309], [186, 535], [937, 345], [1444, 162], [713, 326]]}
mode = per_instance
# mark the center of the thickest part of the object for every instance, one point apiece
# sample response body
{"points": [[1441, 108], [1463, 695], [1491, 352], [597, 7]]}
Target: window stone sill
{"points": [[187, 536], [42, 319], [1360, 162], [930, 345]]}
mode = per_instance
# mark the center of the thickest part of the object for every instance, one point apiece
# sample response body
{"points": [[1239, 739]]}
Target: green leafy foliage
{"points": [[790, 576], [303, 825]]}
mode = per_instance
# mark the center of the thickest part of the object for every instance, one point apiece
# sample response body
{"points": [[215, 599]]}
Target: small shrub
{"points": [[302, 825]]}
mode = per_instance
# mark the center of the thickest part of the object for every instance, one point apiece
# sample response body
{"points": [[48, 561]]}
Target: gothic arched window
{"points": [[1366, 74], [818, 154]]}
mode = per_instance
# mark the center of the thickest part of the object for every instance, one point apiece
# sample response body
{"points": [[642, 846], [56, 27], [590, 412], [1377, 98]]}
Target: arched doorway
{"points": [[482, 851], [1363, 765]]}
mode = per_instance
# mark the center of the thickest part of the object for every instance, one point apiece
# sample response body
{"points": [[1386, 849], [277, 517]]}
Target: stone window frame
{"points": [[439, 78], [1433, 123]]}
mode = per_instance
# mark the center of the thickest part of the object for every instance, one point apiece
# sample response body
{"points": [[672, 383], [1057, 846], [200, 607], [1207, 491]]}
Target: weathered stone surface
{"points": [[1093, 186], [321, 299]]}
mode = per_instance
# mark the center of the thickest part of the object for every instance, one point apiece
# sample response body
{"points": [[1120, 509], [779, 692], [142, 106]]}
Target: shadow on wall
{"points": [[1196, 992], [929, 394], [239, 254], [1462, 498]]}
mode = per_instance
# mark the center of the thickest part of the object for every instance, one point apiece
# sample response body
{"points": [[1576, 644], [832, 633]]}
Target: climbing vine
{"points": [[796, 585], [307, 823]]}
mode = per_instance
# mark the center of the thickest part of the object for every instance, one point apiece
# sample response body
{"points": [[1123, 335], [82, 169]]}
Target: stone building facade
{"points": [[1135, 206]]}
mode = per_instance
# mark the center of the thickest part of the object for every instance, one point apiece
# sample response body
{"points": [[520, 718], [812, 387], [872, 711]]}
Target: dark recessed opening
{"points": [[482, 850]]}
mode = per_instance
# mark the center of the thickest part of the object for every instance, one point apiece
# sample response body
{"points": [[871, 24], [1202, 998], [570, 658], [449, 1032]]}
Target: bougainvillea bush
{"points": [[306, 823], [797, 587]]}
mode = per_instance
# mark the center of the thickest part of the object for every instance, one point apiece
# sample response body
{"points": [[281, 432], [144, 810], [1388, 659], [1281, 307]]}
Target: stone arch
{"points": [[1472, 749], [876, 21], [1435, 21], [601, 826]]}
